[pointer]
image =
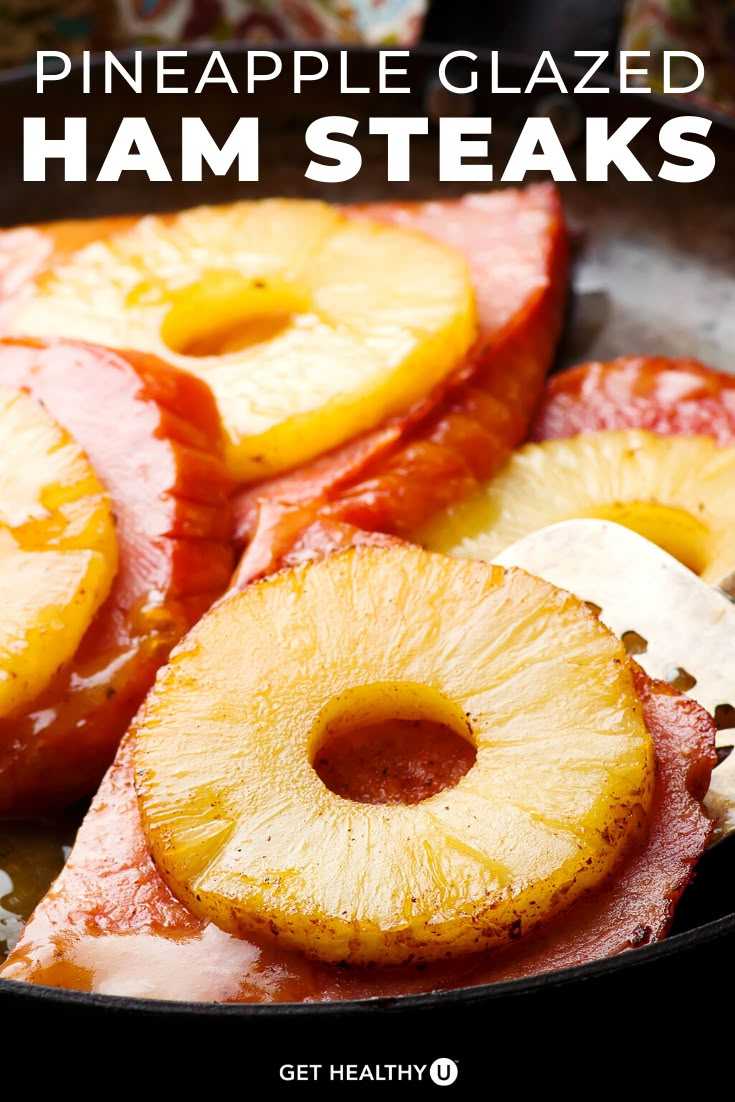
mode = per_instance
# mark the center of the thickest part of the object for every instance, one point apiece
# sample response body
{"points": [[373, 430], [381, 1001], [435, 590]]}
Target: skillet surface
{"points": [[654, 273]]}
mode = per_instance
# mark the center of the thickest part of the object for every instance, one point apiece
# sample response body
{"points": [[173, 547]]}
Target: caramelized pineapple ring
{"points": [[677, 491], [247, 835], [309, 327], [58, 548]]}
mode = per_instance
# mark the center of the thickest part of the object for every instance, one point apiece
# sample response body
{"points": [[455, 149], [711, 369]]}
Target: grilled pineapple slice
{"points": [[58, 548], [244, 830], [308, 326], [678, 491]]}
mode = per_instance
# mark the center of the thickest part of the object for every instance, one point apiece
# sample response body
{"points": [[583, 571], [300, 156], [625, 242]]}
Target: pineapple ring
{"points": [[58, 548], [244, 831], [308, 326], [677, 491]]}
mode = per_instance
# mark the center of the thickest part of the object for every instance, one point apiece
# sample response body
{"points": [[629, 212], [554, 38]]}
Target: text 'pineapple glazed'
{"points": [[246, 832], [307, 325]]}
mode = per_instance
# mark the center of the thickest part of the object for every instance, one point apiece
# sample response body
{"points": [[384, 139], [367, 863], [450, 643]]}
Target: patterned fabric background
{"points": [[706, 27], [30, 25], [372, 21], [76, 25]]}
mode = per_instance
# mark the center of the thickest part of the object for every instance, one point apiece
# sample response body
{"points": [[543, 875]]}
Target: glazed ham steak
{"points": [[390, 750], [152, 435], [391, 480], [87, 935]]}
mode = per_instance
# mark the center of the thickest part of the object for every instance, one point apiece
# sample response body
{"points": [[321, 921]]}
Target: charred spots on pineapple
{"points": [[515, 930]]}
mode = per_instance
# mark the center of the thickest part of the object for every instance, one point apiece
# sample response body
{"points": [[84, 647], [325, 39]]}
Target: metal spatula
{"points": [[679, 628]]}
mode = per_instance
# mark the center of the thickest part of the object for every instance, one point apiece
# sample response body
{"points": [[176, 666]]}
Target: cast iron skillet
{"points": [[654, 273]]}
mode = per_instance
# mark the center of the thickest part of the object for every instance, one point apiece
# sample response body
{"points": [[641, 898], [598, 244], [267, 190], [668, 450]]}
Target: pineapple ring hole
{"points": [[391, 742], [674, 530], [226, 312]]}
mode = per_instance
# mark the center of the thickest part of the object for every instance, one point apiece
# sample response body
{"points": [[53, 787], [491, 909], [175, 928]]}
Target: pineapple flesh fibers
{"points": [[248, 836], [677, 491], [308, 326], [58, 548]]}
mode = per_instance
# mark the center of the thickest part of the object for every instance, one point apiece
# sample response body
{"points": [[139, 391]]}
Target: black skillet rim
{"points": [[563, 979]]}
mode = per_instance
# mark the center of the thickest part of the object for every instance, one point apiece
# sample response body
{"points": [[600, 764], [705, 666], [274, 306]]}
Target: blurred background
{"points": [[706, 27]]}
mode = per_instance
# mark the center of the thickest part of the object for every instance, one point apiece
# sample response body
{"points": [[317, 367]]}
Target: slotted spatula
{"points": [[679, 628]]}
